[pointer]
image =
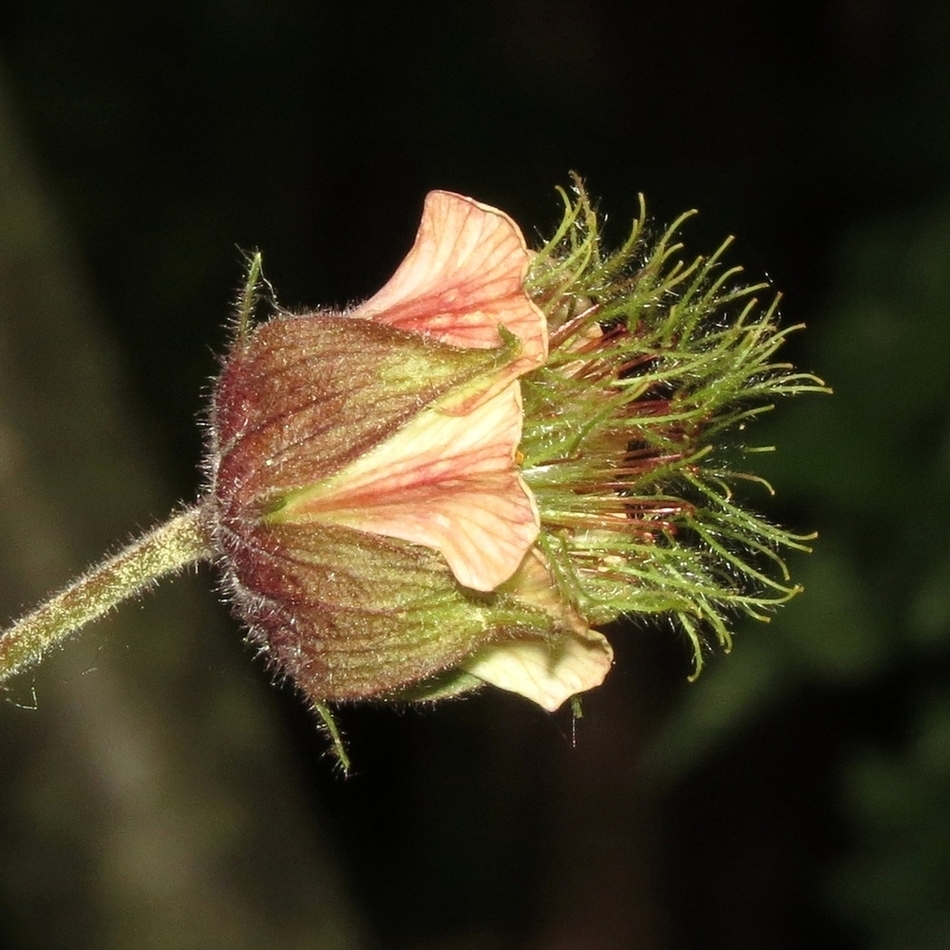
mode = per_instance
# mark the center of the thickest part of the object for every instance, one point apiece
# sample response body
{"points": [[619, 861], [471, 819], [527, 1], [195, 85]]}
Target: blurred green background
{"points": [[157, 792]]}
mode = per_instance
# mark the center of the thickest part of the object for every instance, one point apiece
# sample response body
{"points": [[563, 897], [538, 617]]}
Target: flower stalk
{"points": [[166, 549]]}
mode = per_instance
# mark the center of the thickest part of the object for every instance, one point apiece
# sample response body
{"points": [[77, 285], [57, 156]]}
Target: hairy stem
{"points": [[178, 542]]}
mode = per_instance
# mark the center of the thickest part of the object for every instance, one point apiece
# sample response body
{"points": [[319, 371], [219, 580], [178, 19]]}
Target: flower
{"points": [[461, 480], [458, 481], [376, 533]]}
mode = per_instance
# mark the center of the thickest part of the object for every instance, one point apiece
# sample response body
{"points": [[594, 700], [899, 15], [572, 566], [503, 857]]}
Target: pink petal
{"points": [[546, 672], [444, 480], [462, 279]]}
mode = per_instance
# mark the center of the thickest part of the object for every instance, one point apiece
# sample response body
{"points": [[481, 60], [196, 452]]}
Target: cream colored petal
{"points": [[446, 481], [548, 673], [462, 279]]}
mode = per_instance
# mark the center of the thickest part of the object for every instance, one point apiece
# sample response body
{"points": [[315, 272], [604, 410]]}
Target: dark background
{"points": [[798, 795]]}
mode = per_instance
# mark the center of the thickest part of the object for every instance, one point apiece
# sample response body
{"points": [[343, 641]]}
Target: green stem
{"points": [[171, 546]]}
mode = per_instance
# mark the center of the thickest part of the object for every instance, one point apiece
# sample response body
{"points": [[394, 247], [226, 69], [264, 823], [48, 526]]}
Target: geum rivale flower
{"points": [[377, 535], [463, 479]]}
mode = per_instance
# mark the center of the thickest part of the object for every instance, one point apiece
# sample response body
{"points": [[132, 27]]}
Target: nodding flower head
{"points": [[466, 478], [457, 481]]}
